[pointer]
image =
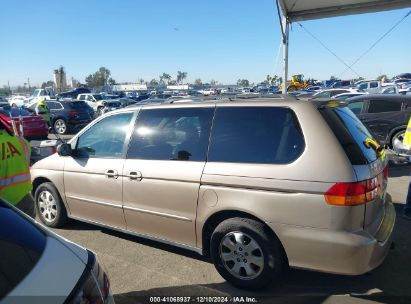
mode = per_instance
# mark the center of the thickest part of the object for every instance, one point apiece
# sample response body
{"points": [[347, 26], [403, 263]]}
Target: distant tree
{"points": [[333, 78], [198, 82], [382, 77], [5, 91], [181, 76], [165, 78], [99, 78], [47, 84], [154, 82], [275, 80], [141, 81], [243, 83], [268, 79], [172, 82], [111, 81], [213, 82]]}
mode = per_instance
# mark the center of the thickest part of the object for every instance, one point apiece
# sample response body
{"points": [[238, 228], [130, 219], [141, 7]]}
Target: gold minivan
{"points": [[258, 184]]}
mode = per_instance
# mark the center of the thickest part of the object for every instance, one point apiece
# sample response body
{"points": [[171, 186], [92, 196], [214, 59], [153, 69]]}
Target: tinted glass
{"points": [[106, 138], [21, 246], [172, 134], [351, 134], [78, 104], [263, 135], [373, 84], [362, 86], [378, 106], [356, 107], [52, 105]]}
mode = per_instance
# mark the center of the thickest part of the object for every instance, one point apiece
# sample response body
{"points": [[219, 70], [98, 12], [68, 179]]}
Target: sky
{"points": [[224, 40]]}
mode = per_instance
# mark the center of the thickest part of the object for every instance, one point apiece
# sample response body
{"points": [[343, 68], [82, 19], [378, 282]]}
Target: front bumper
{"points": [[340, 252]]}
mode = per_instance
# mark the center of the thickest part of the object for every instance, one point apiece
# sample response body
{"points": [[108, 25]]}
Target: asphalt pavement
{"points": [[140, 268]]}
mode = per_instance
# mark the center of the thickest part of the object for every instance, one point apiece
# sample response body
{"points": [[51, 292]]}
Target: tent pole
{"points": [[285, 54]]}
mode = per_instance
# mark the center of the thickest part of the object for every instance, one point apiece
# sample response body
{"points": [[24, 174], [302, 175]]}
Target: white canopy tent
{"points": [[300, 10]]}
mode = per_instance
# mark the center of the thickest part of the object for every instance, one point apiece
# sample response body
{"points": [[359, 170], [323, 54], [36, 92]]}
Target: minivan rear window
{"points": [[260, 135], [351, 134], [21, 246]]}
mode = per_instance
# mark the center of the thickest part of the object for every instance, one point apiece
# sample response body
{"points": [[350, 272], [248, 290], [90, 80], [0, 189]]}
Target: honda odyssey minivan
{"points": [[258, 184]]}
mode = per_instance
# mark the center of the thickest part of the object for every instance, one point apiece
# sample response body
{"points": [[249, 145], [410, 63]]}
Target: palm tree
{"points": [[181, 76], [269, 79], [165, 77]]}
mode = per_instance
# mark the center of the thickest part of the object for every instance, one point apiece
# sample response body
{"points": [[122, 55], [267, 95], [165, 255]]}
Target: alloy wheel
{"points": [[241, 255], [60, 126], [47, 206]]}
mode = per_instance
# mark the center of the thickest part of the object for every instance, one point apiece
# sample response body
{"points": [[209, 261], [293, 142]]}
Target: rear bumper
{"points": [[337, 252]]}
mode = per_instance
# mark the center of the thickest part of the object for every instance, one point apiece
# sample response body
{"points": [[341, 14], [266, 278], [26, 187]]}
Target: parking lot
{"points": [[140, 268]]}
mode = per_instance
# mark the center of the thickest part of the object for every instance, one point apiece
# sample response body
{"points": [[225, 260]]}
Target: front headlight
{"points": [[93, 286]]}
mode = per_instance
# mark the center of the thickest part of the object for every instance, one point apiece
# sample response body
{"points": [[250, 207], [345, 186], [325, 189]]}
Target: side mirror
{"points": [[64, 149]]}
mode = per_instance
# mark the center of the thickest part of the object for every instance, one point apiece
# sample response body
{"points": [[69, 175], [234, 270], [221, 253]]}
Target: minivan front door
{"points": [[162, 172], [92, 175]]}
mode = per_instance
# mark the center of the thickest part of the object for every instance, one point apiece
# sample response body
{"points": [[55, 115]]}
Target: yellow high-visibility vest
{"points": [[15, 181], [407, 136]]}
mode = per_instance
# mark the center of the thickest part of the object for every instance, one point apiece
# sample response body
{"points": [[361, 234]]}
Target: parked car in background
{"points": [[18, 101], [99, 104], [389, 89], [341, 84], [406, 90], [328, 93], [68, 115], [246, 181], [73, 93], [370, 86], [34, 126], [38, 266], [344, 96], [386, 116]]}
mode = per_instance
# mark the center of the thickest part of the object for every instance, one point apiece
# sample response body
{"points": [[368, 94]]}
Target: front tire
{"points": [[49, 206], [246, 253], [398, 135]]}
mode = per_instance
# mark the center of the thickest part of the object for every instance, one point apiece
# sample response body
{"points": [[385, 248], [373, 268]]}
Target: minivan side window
{"points": [[171, 134], [104, 139], [260, 135], [378, 106]]}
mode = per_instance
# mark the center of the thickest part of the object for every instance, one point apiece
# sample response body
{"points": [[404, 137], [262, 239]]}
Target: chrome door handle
{"points": [[135, 175], [110, 173]]}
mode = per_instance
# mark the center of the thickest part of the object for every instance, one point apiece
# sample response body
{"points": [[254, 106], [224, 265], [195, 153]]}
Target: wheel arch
{"points": [[41, 180], [216, 218]]}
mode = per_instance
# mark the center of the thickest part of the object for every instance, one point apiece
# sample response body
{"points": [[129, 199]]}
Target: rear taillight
{"points": [[73, 113], [385, 172], [352, 194]]}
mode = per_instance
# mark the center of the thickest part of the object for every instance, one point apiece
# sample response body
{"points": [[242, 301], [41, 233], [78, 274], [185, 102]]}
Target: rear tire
{"points": [[246, 253], [60, 126], [49, 206]]}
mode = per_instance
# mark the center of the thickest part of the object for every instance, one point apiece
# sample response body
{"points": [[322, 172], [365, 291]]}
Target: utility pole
{"points": [[28, 83]]}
